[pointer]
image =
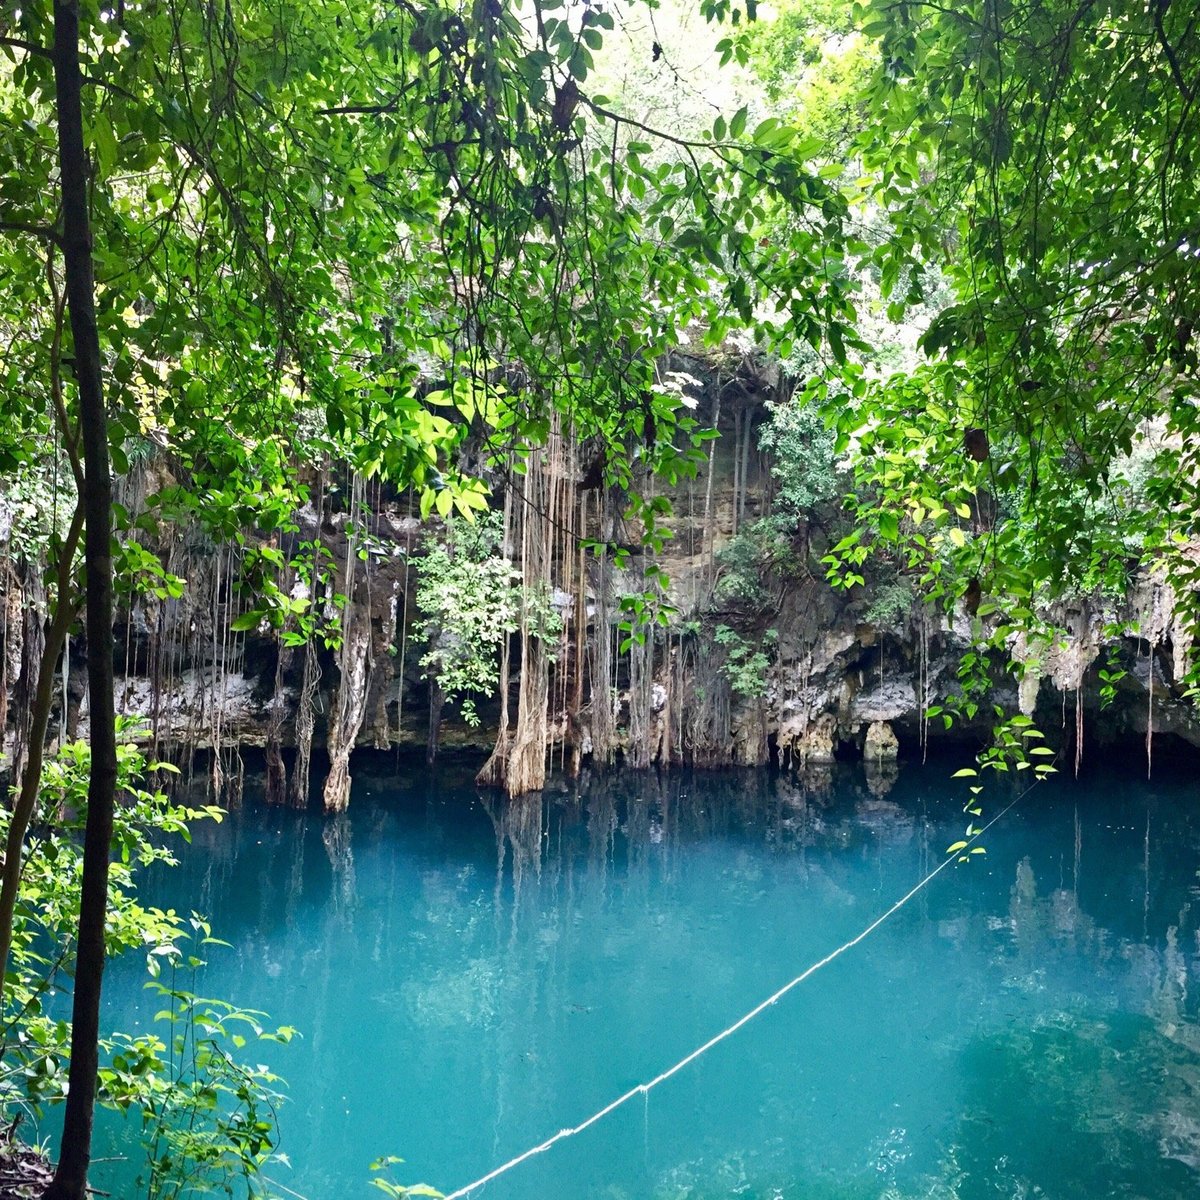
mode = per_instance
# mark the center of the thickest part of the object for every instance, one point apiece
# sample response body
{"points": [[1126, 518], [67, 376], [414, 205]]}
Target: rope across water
{"points": [[644, 1089]]}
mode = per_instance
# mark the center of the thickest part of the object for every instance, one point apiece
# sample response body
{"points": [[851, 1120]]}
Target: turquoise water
{"points": [[469, 978]]}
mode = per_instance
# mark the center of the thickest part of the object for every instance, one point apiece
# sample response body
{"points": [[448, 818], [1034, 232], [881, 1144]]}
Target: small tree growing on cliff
{"points": [[469, 604]]}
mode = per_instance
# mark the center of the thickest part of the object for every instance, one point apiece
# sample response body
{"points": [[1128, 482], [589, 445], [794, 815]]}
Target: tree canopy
{"points": [[1042, 153], [304, 212]]}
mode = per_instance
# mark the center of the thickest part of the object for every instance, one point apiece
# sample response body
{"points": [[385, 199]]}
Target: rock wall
{"points": [[833, 681]]}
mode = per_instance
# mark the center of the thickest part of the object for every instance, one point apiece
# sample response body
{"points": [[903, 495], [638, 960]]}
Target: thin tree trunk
{"points": [[641, 685], [355, 662], [64, 614], [601, 664], [276, 784], [10, 614], [580, 615], [70, 1177], [55, 642], [33, 643], [305, 722], [526, 766]]}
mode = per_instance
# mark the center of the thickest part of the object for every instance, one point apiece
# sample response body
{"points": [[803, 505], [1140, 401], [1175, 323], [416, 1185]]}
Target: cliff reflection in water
{"points": [[471, 974]]}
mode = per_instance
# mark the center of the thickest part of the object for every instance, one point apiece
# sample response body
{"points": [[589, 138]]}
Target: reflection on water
{"points": [[472, 975]]}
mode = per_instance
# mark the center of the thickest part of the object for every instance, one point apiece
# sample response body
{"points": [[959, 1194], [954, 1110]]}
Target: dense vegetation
{"points": [[444, 246]]}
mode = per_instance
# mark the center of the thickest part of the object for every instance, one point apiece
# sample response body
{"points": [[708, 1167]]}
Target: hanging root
{"points": [[354, 667], [310, 680], [276, 784], [494, 771]]}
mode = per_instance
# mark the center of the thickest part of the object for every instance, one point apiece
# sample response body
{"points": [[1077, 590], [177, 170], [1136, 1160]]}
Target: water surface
{"points": [[470, 977]]}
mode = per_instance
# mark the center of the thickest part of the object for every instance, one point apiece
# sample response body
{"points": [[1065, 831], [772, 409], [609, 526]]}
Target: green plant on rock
{"points": [[470, 604], [308, 610], [891, 603], [754, 561], [1111, 673], [642, 613], [807, 468], [746, 663]]}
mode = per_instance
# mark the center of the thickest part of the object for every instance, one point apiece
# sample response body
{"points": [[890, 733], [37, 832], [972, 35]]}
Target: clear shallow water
{"points": [[469, 979]]}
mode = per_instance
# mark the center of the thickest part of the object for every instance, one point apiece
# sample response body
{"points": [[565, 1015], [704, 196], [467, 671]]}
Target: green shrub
{"points": [[207, 1119]]}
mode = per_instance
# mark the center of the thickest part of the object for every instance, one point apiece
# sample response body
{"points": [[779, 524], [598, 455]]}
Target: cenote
{"points": [[470, 977]]}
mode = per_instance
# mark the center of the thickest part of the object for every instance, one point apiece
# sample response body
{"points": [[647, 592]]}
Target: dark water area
{"points": [[469, 977]]}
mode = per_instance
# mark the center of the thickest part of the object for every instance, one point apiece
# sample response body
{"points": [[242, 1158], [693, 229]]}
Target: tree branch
{"points": [[108, 86], [686, 143], [1160, 11], [28, 47], [384, 106], [42, 231], [70, 433]]}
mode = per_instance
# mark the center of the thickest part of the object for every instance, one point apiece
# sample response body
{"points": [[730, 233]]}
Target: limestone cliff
{"points": [[802, 673]]}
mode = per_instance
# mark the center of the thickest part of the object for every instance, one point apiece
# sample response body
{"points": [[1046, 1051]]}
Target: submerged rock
{"points": [[880, 743]]}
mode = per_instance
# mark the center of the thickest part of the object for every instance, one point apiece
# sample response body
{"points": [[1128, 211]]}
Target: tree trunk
{"points": [[579, 615], [641, 695], [355, 662], [526, 765], [305, 724], [347, 711], [710, 532], [70, 1177], [744, 476], [64, 614], [737, 462], [33, 644], [306, 702]]}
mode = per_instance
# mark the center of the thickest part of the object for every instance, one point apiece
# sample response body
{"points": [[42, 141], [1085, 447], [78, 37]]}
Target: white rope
{"points": [[284, 1187], [644, 1089]]}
